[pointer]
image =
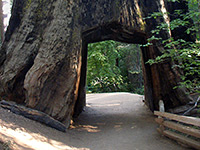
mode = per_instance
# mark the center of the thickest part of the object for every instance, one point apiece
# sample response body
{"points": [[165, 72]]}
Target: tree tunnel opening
{"points": [[108, 32], [114, 67]]}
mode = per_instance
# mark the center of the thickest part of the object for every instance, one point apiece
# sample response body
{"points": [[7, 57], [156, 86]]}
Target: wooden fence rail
{"points": [[183, 129]]}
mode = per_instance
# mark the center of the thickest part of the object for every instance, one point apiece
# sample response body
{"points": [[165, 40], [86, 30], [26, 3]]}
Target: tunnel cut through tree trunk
{"points": [[43, 60], [110, 31]]}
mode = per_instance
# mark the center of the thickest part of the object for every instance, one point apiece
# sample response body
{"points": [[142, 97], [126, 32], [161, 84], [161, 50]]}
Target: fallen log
{"points": [[33, 114]]}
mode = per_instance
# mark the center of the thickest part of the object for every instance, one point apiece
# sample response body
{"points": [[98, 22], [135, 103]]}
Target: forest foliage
{"points": [[114, 67], [184, 53]]}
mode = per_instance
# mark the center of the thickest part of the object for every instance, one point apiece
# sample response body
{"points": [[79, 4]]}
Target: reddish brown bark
{"points": [[43, 60]]}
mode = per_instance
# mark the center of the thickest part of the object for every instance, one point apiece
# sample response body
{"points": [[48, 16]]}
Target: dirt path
{"points": [[115, 121]]}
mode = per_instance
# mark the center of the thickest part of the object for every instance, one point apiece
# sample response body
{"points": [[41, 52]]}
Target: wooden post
{"points": [[161, 106]]}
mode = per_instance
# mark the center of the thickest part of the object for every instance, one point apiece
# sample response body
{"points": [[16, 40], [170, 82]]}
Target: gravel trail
{"points": [[111, 121]]}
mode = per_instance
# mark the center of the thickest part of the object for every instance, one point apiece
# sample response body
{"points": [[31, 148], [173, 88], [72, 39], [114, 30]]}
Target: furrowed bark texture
{"points": [[43, 60]]}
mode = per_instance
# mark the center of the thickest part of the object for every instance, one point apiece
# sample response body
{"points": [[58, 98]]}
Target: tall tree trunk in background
{"points": [[1, 21]]}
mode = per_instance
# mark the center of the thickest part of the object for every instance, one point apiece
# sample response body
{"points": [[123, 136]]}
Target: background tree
{"points": [[1, 22], [5, 13]]}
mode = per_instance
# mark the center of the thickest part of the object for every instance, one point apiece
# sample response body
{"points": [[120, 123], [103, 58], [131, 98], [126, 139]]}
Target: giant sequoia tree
{"points": [[43, 59]]}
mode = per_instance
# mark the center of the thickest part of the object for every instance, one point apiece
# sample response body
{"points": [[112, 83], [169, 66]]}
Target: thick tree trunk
{"points": [[44, 55]]}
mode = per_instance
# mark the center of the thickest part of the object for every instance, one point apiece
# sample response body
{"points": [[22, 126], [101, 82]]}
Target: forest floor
{"points": [[111, 121]]}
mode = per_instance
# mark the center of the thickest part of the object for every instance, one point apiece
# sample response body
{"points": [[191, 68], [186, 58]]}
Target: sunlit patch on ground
{"points": [[88, 128], [103, 105], [22, 139]]}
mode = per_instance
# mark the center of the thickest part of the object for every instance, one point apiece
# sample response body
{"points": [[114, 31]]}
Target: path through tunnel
{"points": [[119, 121], [111, 31], [159, 79]]}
